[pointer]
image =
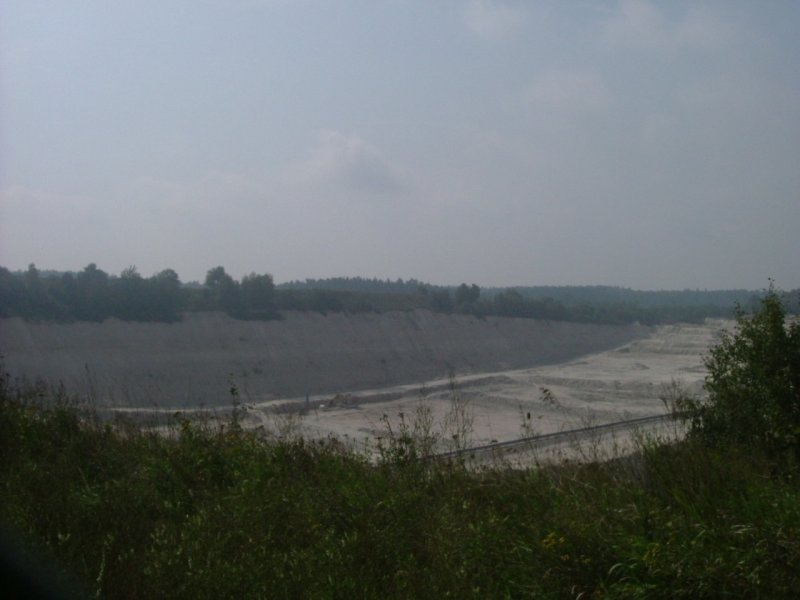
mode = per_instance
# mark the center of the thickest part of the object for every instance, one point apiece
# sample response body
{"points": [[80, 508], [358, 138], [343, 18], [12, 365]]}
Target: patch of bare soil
{"points": [[628, 382]]}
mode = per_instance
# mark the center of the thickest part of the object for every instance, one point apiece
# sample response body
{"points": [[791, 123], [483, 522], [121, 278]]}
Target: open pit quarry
{"points": [[351, 376]]}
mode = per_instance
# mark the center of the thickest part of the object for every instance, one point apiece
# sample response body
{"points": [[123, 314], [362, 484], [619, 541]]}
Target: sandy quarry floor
{"points": [[627, 382]]}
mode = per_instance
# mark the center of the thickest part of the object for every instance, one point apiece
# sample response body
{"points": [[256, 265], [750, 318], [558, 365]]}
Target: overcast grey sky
{"points": [[637, 143]]}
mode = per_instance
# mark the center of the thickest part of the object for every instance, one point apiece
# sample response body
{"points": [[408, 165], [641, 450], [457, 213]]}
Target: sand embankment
{"points": [[191, 362], [627, 382]]}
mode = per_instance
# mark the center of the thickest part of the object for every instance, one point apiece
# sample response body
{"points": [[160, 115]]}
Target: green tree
{"points": [[441, 301], [93, 295], [467, 294], [258, 295], [169, 296], [753, 383], [325, 300], [37, 300], [224, 292], [129, 298], [511, 304]]}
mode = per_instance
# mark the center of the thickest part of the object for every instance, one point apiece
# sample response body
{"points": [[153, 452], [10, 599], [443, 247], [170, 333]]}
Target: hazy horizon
{"points": [[634, 143]]}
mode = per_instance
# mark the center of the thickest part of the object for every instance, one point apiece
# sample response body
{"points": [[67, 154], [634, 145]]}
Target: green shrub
{"points": [[753, 384]]}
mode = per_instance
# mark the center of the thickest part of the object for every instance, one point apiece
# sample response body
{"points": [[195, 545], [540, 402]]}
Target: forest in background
{"points": [[95, 295]]}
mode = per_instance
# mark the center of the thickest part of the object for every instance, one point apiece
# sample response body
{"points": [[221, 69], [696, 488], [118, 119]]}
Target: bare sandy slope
{"points": [[623, 383], [190, 363]]}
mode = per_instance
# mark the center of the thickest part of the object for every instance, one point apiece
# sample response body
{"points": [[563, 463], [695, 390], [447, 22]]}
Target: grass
{"points": [[218, 512]]}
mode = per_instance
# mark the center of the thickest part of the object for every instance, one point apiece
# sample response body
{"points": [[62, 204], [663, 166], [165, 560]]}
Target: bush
{"points": [[753, 384]]}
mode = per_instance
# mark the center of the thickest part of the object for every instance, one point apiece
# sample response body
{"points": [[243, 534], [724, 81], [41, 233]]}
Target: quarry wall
{"points": [[193, 362]]}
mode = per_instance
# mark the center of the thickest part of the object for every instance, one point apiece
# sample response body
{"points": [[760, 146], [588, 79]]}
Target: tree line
{"points": [[94, 295], [512, 303], [569, 295], [358, 284], [91, 295]]}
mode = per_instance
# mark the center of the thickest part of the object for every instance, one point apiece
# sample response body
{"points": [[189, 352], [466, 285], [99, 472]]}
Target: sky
{"points": [[653, 145]]}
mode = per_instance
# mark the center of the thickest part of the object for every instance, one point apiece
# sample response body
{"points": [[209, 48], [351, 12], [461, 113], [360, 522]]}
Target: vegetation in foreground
{"points": [[224, 513]]}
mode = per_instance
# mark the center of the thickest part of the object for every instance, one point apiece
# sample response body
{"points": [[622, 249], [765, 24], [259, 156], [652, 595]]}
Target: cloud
{"points": [[493, 20], [209, 194], [21, 202], [703, 29], [640, 24], [348, 161], [47, 227], [568, 92]]}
